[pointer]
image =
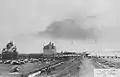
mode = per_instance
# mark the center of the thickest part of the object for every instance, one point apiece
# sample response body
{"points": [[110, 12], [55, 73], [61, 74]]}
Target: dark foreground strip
{"points": [[45, 68]]}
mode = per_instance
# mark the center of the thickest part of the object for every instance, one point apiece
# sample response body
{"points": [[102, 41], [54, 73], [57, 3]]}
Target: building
{"points": [[9, 52], [49, 48]]}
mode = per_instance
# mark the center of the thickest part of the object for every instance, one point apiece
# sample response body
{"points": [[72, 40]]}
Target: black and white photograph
{"points": [[59, 38]]}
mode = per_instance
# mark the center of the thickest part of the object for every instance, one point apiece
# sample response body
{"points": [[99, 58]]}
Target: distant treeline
{"points": [[19, 56], [14, 56], [41, 55]]}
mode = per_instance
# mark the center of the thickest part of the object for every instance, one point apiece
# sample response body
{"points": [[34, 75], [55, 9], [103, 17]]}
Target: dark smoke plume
{"points": [[68, 29]]}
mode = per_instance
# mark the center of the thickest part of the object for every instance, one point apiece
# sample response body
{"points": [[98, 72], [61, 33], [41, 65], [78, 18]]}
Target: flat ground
{"points": [[24, 69], [69, 68]]}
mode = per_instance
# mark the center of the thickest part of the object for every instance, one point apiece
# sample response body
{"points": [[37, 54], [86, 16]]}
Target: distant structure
{"points": [[49, 48], [9, 52]]}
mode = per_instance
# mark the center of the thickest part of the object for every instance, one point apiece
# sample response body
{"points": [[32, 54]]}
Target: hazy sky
{"points": [[92, 24]]}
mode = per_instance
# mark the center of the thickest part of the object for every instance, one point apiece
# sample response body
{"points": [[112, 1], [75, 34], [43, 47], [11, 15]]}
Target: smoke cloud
{"points": [[68, 29]]}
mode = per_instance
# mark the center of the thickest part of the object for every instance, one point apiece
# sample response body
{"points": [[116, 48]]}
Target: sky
{"points": [[71, 24]]}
